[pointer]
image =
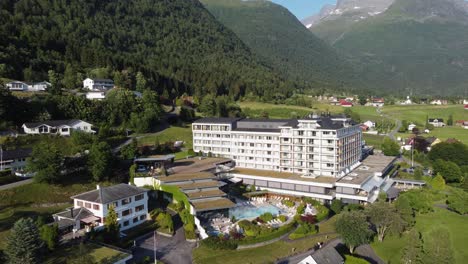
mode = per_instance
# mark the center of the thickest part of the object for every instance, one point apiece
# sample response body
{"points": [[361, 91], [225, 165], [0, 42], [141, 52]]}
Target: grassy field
{"points": [[391, 249], [418, 113], [99, 254], [266, 254], [373, 140], [255, 109], [32, 200]]}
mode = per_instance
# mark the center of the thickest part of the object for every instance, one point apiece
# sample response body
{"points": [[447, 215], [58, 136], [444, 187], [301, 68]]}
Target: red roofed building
{"points": [[345, 103], [466, 107]]}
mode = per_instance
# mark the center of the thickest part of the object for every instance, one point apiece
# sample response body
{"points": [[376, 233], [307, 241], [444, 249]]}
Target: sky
{"points": [[304, 8]]}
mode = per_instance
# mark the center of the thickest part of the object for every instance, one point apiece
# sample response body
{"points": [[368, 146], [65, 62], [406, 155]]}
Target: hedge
{"points": [[304, 230], [214, 242], [266, 237], [177, 194]]}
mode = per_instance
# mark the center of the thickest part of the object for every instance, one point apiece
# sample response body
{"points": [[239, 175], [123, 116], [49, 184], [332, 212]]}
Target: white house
{"points": [[98, 84], [439, 102], [58, 127], [31, 87], [14, 160], [369, 124], [411, 127], [91, 208], [96, 95], [326, 255], [17, 86], [437, 122]]}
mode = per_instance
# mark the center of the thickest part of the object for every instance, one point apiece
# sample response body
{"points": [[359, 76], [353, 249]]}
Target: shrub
{"points": [[268, 234], [266, 217], [288, 203], [311, 219], [164, 220], [300, 209], [190, 152], [283, 218], [336, 206], [304, 230], [219, 243], [155, 213]]}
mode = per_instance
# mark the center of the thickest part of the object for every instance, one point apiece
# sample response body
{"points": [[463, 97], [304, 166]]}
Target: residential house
{"points": [[326, 255], [31, 87], [14, 160], [96, 95], [439, 102], [369, 124], [462, 123], [91, 208], [411, 127], [98, 84], [17, 86], [407, 101], [58, 127], [466, 107], [431, 142], [377, 102], [345, 103], [436, 122]]}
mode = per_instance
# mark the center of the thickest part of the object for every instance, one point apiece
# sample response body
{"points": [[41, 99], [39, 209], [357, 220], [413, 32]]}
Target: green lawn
{"points": [[173, 134], [392, 247], [266, 254], [373, 140], [443, 133], [99, 254], [418, 113]]}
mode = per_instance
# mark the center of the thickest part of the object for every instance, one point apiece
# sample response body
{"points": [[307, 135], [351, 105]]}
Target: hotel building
{"points": [[318, 157]]}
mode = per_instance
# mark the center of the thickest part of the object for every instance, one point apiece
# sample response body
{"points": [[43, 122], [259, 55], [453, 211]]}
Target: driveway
{"points": [[170, 250], [15, 184]]}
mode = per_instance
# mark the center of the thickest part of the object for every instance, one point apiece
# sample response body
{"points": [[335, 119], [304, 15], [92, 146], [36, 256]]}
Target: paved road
{"points": [[392, 133], [174, 250], [15, 184]]}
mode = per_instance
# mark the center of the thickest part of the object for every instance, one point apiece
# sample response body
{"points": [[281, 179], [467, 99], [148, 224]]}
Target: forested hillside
{"points": [[415, 46], [274, 33], [177, 45]]}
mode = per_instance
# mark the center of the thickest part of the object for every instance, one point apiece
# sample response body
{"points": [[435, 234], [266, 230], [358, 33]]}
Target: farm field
{"points": [[255, 109], [418, 113], [391, 249]]}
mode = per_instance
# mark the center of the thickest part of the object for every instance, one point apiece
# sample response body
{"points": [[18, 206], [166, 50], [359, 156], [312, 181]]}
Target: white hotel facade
{"points": [[326, 146], [319, 157]]}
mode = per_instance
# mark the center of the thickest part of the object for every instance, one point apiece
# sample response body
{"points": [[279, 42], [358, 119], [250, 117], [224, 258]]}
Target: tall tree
{"points": [[46, 161], [111, 224], [390, 147], [141, 83], [403, 207], [54, 82], [100, 160], [412, 253], [353, 228], [385, 218], [24, 244], [208, 105], [50, 235], [69, 77]]}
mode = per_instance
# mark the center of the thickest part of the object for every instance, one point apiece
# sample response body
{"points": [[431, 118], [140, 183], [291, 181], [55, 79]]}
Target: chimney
{"points": [[71, 212]]}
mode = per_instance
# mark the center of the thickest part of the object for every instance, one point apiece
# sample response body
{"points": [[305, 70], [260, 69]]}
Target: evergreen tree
{"points": [[100, 161], [450, 120], [69, 77], [208, 105], [24, 244], [111, 224], [141, 83], [46, 161], [54, 82], [438, 182]]}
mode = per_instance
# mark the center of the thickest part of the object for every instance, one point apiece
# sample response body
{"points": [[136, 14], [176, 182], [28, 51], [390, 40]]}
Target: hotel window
{"points": [[79, 203], [115, 204], [135, 219], [126, 201], [126, 212], [126, 223], [139, 197], [96, 206], [87, 205], [142, 217], [139, 208]]}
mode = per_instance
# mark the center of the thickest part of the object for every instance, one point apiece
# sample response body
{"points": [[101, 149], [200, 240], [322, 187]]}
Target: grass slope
{"points": [[391, 249]]}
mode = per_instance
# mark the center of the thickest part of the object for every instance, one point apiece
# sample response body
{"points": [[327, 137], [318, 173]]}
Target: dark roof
{"points": [[327, 255], [438, 119], [53, 123], [431, 140], [109, 194], [216, 120], [78, 213], [393, 193], [102, 80], [16, 154]]}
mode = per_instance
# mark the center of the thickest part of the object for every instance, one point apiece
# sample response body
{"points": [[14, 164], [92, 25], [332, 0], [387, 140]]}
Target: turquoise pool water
{"points": [[250, 211]]}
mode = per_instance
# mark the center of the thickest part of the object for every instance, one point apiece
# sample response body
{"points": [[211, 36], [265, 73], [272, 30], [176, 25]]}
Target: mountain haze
{"points": [[272, 32], [418, 46]]}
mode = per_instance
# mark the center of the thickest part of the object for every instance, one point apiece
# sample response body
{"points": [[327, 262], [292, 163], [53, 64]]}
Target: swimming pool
{"points": [[251, 211]]}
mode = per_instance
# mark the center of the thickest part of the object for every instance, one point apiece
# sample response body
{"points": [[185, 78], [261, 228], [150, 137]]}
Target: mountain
{"points": [[177, 44], [276, 35], [324, 12], [414, 46]]}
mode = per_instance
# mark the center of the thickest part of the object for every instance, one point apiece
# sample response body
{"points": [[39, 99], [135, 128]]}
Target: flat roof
{"points": [[198, 185], [220, 203], [186, 177], [369, 167], [203, 194], [194, 165], [283, 175]]}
